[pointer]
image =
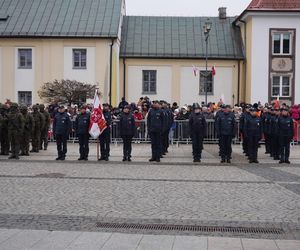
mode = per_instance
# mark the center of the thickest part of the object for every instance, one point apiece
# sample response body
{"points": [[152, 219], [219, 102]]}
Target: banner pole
{"points": [[98, 148]]}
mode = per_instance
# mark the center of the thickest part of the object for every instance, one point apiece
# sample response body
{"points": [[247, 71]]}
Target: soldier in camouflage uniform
{"points": [[15, 129], [38, 125], [44, 132], [27, 131], [4, 132]]}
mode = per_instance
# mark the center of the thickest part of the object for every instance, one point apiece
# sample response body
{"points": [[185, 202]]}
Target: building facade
{"points": [[271, 35], [256, 55]]}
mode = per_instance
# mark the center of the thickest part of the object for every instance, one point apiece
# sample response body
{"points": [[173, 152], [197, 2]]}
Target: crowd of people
{"points": [[20, 125]]}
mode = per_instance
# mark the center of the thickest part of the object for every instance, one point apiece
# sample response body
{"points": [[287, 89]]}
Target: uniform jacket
{"points": [[82, 124], [39, 120], [286, 126], [127, 125], [225, 124], [274, 124], [15, 121], [155, 120], [62, 124], [28, 123], [197, 124], [266, 119], [253, 127]]}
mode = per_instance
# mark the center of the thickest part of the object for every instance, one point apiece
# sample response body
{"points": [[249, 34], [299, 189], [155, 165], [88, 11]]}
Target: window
{"points": [[210, 83], [282, 43], [79, 58], [281, 86], [25, 97], [149, 81], [25, 58]]}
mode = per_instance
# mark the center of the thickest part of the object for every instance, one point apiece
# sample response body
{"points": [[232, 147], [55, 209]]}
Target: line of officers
{"points": [[18, 127]]}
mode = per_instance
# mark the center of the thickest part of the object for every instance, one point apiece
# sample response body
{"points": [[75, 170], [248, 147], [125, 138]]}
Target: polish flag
{"points": [[195, 70], [98, 123], [277, 102], [213, 71]]}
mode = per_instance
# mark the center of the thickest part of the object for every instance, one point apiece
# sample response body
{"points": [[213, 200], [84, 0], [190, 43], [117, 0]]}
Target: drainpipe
{"points": [[239, 81], [110, 70], [245, 41], [124, 76]]}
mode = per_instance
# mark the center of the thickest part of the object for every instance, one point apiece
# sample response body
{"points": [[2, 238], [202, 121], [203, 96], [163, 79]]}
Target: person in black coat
{"points": [[155, 125], [167, 123], [266, 120], [61, 130], [198, 128], [253, 130], [81, 127], [105, 136], [274, 134], [286, 134], [127, 130], [244, 116], [225, 125]]}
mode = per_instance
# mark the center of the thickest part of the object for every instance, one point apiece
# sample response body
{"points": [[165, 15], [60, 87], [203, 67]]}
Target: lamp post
{"points": [[207, 29]]}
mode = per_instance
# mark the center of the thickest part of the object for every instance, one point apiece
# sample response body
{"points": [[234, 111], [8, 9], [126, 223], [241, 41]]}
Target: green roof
{"points": [[179, 37], [60, 18]]}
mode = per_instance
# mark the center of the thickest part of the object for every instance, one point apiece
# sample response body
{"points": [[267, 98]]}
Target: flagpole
{"points": [[98, 148]]}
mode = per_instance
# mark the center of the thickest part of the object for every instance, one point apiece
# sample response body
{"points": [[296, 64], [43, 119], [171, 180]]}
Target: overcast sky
{"points": [[184, 7]]}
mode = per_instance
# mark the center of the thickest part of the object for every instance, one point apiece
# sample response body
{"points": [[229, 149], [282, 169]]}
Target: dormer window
{"points": [[282, 43]]}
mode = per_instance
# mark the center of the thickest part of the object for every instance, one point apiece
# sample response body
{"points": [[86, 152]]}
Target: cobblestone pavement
{"points": [[39, 193], [45, 240]]}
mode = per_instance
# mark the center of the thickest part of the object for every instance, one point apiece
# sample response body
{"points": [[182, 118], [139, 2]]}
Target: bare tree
{"points": [[66, 91]]}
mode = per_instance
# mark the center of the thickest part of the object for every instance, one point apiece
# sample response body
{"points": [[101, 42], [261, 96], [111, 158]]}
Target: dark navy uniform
{"points": [[81, 126], [127, 130], [105, 137], [61, 130], [274, 137], [244, 116], [167, 123], [266, 119], [225, 125], [155, 126], [198, 128], [253, 130], [286, 133]]}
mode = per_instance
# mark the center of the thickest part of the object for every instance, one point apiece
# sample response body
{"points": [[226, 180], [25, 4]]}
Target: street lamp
{"points": [[207, 29]]}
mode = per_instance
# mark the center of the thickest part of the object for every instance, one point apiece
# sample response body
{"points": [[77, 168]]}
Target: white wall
{"points": [[24, 78], [260, 53], [135, 83], [189, 86], [87, 75]]}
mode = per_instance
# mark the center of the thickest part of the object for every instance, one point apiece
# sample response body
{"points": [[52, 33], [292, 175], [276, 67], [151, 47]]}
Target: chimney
{"points": [[222, 13]]}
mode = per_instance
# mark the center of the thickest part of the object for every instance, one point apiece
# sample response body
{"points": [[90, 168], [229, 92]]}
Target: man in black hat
{"points": [[155, 125], [61, 130], [127, 130], [198, 128], [81, 126], [253, 130], [218, 114], [225, 125], [286, 134], [167, 124], [244, 116], [266, 120], [274, 134], [105, 136]]}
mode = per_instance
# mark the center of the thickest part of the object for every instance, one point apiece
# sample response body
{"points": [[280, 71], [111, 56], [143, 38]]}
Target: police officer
{"points": [[61, 131], [39, 123], [266, 120], [244, 116], [15, 128], [4, 130], [167, 124], [81, 127], [198, 127], [27, 131], [225, 125], [286, 134], [274, 134], [105, 136], [218, 114], [253, 130], [45, 129], [127, 130], [155, 120]]}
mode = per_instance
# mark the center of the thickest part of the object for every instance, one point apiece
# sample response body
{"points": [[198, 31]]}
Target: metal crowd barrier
{"points": [[179, 133]]}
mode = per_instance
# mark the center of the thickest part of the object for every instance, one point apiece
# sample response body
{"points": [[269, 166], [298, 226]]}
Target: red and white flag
{"points": [[195, 70], [98, 123], [213, 71]]}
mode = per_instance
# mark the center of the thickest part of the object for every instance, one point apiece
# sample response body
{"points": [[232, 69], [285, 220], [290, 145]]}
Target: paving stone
{"points": [[190, 243], [255, 244], [89, 241], [156, 242], [122, 242], [6, 234], [224, 244], [23, 239], [288, 245]]}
